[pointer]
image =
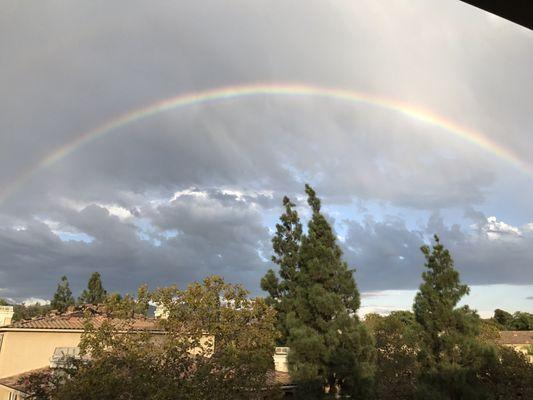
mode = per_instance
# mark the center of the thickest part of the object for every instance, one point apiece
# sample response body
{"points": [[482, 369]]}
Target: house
{"points": [[6, 315], [519, 340], [35, 344], [11, 389], [280, 375], [42, 343]]}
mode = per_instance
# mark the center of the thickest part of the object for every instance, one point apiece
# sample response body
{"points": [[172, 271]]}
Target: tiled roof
{"points": [[516, 337], [12, 382], [279, 378], [75, 321]]}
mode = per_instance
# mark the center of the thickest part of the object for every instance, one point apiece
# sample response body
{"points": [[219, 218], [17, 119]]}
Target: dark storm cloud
{"points": [[90, 69], [211, 237], [386, 253], [83, 64]]}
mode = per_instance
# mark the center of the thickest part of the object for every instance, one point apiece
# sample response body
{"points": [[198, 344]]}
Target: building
{"points": [[519, 340], [281, 374], [11, 389], [43, 343], [6, 315], [35, 344]]}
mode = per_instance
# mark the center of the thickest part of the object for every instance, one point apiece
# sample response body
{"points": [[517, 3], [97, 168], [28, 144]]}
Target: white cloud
{"points": [[118, 211], [495, 229], [34, 300], [189, 192]]}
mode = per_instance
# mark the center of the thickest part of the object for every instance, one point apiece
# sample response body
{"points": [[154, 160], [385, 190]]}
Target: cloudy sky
{"points": [[176, 195]]}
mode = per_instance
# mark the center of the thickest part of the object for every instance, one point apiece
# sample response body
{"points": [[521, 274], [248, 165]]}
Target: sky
{"points": [[154, 141]]}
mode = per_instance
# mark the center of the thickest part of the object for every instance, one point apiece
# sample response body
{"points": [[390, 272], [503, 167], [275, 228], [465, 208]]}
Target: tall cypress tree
{"points": [[449, 353], [286, 245], [63, 296], [329, 345], [95, 292]]}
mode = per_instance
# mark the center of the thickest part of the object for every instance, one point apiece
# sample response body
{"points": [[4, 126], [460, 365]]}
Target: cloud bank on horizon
{"points": [[190, 192]]}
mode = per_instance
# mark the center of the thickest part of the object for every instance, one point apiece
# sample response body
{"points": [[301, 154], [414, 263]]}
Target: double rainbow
{"points": [[233, 92]]}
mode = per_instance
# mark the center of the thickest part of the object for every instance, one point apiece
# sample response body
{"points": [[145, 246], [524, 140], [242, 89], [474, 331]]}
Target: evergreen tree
{"points": [[286, 245], [504, 318], [396, 337], [63, 296], [330, 348], [522, 321], [449, 354], [95, 292]]}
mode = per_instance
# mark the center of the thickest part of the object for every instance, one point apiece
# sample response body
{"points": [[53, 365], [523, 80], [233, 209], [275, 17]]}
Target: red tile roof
{"points": [[515, 337], [279, 378], [12, 382], [76, 321]]}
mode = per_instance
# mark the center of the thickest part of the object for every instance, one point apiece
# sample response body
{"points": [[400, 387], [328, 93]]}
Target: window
{"points": [[13, 396], [1, 340]]}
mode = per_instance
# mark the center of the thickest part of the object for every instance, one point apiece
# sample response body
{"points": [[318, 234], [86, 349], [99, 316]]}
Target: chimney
{"points": [[281, 363], [161, 312], [6, 314]]}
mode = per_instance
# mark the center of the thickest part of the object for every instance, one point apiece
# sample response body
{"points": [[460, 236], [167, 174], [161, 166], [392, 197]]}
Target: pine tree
{"points": [[63, 296], [449, 353], [329, 345], [286, 245], [95, 292], [504, 318]]}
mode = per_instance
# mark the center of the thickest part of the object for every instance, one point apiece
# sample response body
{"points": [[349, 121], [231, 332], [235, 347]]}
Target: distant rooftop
{"points": [[515, 337], [12, 382], [74, 319]]}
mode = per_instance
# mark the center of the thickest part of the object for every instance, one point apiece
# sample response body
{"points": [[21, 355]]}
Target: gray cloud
{"points": [[386, 254], [210, 237], [84, 64], [87, 73]]}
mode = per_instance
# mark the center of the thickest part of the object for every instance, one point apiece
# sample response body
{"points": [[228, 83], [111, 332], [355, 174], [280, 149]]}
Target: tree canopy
{"points": [[450, 354], [519, 321], [95, 292], [215, 342], [317, 298], [63, 296], [286, 245]]}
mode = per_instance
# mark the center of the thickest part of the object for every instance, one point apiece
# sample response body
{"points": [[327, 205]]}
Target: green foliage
{"points": [[142, 303], [519, 321], [508, 376], [233, 364], [522, 321], [22, 312], [216, 343], [371, 321], [317, 298], [450, 354], [503, 318], [286, 245], [95, 292], [63, 296], [397, 366], [489, 331], [127, 306], [42, 385]]}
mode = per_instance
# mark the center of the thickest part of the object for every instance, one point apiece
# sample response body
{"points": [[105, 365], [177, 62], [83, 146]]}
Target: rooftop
{"points": [[75, 320], [12, 382], [515, 337]]}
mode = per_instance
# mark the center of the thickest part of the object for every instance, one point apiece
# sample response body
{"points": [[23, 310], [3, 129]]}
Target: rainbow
{"points": [[245, 91]]}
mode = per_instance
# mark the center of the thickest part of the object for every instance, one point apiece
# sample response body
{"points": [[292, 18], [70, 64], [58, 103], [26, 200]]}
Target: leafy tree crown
{"points": [[63, 296], [95, 292]]}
